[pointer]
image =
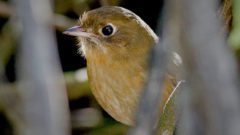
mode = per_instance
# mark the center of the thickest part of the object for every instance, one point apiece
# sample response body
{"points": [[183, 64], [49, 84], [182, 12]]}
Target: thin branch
{"points": [[43, 97]]}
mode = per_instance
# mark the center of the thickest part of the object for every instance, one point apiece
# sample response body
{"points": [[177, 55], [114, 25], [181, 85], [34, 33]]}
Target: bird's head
{"points": [[112, 30]]}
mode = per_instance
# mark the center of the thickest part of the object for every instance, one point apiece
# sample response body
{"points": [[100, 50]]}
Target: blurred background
{"points": [[87, 117]]}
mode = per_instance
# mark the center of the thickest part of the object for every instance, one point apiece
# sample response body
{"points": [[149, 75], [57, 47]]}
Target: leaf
{"points": [[167, 122]]}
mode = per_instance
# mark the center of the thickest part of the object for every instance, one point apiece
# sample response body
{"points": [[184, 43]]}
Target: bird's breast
{"points": [[117, 87]]}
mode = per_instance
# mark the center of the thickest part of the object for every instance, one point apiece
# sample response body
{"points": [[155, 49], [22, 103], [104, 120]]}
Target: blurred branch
{"points": [[59, 21], [8, 36], [10, 97], [209, 56], [76, 88], [41, 89], [211, 97]]}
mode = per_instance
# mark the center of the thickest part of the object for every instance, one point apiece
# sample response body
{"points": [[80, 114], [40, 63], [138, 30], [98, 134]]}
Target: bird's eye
{"points": [[108, 30]]}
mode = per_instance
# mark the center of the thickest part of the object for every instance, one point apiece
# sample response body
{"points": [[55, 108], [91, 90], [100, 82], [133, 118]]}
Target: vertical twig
{"points": [[211, 96], [44, 102]]}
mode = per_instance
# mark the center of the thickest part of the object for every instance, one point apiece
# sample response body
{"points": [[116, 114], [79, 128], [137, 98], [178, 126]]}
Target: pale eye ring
{"points": [[108, 30]]}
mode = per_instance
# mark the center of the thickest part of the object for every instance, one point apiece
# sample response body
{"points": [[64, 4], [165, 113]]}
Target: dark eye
{"points": [[108, 30]]}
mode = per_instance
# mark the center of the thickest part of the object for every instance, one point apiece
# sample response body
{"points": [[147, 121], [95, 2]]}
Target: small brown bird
{"points": [[116, 44]]}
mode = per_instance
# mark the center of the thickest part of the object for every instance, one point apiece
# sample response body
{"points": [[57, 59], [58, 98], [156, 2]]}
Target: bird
{"points": [[116, 44]]}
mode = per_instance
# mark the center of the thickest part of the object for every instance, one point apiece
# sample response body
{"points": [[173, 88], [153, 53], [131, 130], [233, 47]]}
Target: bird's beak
{"points": [[76, 31]]}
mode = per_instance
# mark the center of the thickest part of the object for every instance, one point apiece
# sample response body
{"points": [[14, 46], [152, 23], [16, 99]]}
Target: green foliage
{"points": [[234, 38], [167, 120]]}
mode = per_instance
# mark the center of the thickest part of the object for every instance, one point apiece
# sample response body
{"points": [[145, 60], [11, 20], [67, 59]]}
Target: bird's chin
{"points": [[89, 41]]}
